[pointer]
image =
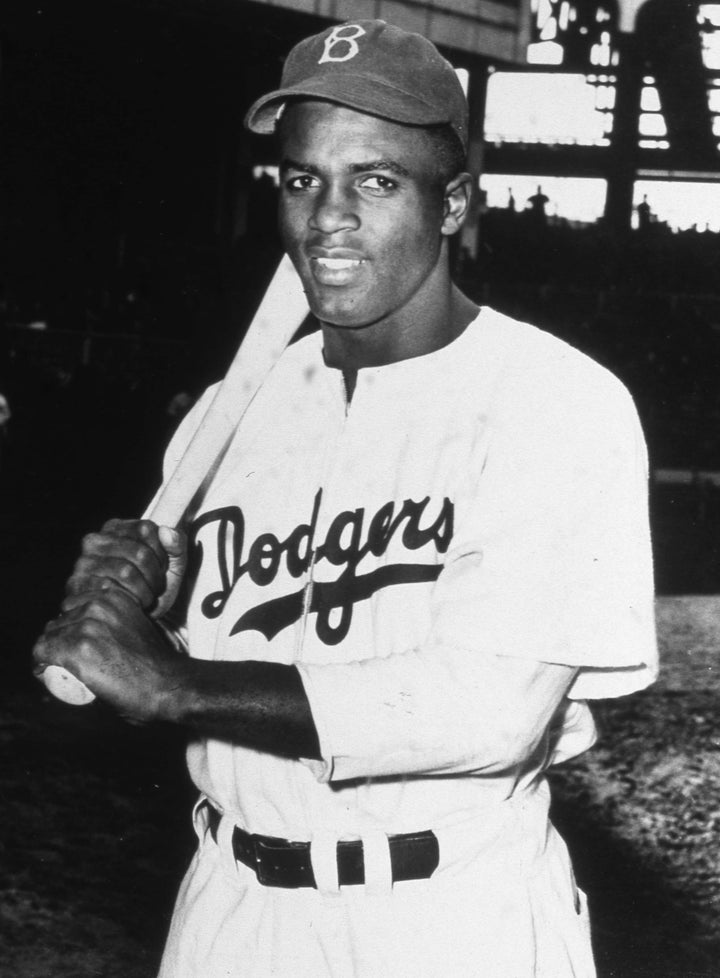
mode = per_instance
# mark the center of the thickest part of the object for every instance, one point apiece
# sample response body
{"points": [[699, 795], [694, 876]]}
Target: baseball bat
{"points": [[279, 315]]}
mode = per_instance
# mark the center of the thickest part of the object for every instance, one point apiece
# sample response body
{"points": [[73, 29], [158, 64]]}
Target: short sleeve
{"points": [[550, 564], [551, 557]]}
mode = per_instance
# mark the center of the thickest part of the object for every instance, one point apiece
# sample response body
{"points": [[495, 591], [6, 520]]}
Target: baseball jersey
{"points": [[466, 510]]}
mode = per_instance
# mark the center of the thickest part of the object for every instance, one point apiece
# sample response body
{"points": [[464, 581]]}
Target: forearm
{"points": [[134, 664], [257, 704], [426, 713]]}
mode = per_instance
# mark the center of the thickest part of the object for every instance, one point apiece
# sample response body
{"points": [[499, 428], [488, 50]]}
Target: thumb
{"points": [[174, 543]]}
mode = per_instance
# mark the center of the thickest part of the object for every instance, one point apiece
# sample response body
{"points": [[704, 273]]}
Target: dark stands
{"points": [[646, 304]]}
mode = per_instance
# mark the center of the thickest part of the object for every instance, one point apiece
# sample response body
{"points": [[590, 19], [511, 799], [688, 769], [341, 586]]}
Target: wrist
{"points": [[176, 687]]}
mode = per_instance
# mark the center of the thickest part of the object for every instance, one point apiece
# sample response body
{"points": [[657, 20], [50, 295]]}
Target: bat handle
{"points": [[66, 687]]}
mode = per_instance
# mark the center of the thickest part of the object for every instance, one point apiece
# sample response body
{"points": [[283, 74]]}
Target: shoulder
{"points": [[536, 353], [542, 374], [549, 400]]}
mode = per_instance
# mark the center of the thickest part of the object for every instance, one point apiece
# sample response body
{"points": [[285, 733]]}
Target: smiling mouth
{"points": [[338, 264]]}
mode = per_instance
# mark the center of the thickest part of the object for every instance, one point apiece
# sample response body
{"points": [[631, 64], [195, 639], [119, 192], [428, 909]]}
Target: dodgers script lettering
{"points": [[349, 539]]}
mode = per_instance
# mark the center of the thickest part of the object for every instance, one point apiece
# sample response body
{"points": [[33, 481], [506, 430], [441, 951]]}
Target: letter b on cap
{"points": [[340, 45]]}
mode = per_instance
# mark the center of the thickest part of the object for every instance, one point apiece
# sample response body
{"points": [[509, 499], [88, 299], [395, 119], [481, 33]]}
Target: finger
{"points": [[95, 586], [86, 608], [108, 607], [143, 546], [142, 578], [141, 530], [175, 543], [59, 662], [139, 543], [64, 639], [106, 604], [40, 655], [45, 652]]}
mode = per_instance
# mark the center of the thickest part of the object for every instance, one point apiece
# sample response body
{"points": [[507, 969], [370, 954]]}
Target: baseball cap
{"points": [[372, 67]]}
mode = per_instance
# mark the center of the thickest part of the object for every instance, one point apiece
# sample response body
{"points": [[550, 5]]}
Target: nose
{"points": [[334, 211]]}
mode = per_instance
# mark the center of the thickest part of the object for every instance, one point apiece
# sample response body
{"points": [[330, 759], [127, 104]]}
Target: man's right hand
{"points": [[146, 560]]}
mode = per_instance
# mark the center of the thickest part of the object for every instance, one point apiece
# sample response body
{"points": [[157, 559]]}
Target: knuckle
{"points": [[142, 556], [40, 649], [96, 608], [91, 541], [73, 586], [88, 631], [76, 584], [82, 566], [86, 643], [127, 573], [123, 599]]}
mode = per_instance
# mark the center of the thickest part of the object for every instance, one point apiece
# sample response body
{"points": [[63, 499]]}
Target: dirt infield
{"points": [[641, 811], [94, 830]]}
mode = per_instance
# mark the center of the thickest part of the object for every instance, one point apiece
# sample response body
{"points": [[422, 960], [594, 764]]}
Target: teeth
{"points": [[338, 263]]}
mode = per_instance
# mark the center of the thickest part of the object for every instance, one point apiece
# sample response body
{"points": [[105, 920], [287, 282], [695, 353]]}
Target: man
{"points": [[426, 546]]}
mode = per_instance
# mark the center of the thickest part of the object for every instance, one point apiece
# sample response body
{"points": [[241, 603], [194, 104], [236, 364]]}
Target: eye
{"points": [[303, 181], [378, 183]]}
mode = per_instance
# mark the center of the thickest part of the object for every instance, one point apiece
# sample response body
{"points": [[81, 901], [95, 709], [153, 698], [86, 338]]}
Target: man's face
{"points": [[361, 213]]}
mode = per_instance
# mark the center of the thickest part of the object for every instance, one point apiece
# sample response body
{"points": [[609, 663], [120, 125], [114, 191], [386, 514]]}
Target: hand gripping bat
{"points": [[279, 315]]}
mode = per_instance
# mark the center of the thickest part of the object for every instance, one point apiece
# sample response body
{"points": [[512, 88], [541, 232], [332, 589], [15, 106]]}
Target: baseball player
{"points": [[425, 549]]}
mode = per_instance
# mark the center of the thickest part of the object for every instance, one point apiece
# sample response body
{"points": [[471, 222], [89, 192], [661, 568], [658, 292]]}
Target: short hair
{"points": [[450, 155]]}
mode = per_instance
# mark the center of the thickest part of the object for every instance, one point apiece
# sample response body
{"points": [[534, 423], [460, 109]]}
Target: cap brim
{"points": [[363, 93]]}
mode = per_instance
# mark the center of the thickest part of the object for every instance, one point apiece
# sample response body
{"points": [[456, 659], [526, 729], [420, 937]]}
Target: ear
{"points": [[456, 203]]}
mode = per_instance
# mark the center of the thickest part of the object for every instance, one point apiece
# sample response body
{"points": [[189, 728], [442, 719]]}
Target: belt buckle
{"points": [[281, 863]]}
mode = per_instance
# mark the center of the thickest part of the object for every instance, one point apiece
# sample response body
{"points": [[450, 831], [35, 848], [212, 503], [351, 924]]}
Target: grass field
{"points": [[94, 829]]}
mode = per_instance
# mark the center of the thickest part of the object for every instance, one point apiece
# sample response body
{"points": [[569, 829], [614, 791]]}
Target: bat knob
{"points": [[66, 687]]}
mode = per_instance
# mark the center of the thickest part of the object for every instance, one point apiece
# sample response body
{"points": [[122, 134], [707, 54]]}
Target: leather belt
{"points": [[278, 862]]}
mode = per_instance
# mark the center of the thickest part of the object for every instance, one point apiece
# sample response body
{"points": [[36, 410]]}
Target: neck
{"points": [[413, 332]]}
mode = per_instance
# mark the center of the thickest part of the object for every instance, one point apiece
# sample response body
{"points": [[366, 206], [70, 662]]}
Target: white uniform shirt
{"points": [[481, 504], [488, 499]]}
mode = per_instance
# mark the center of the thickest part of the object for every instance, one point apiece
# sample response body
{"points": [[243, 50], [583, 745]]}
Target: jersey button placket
{"points": [[330, 459]]}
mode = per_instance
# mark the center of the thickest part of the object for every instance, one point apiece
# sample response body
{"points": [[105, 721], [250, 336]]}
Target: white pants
{"points": [[502, 904]]}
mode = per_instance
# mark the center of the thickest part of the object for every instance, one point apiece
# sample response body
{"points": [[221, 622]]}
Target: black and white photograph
{"points": [[360, 489]]}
